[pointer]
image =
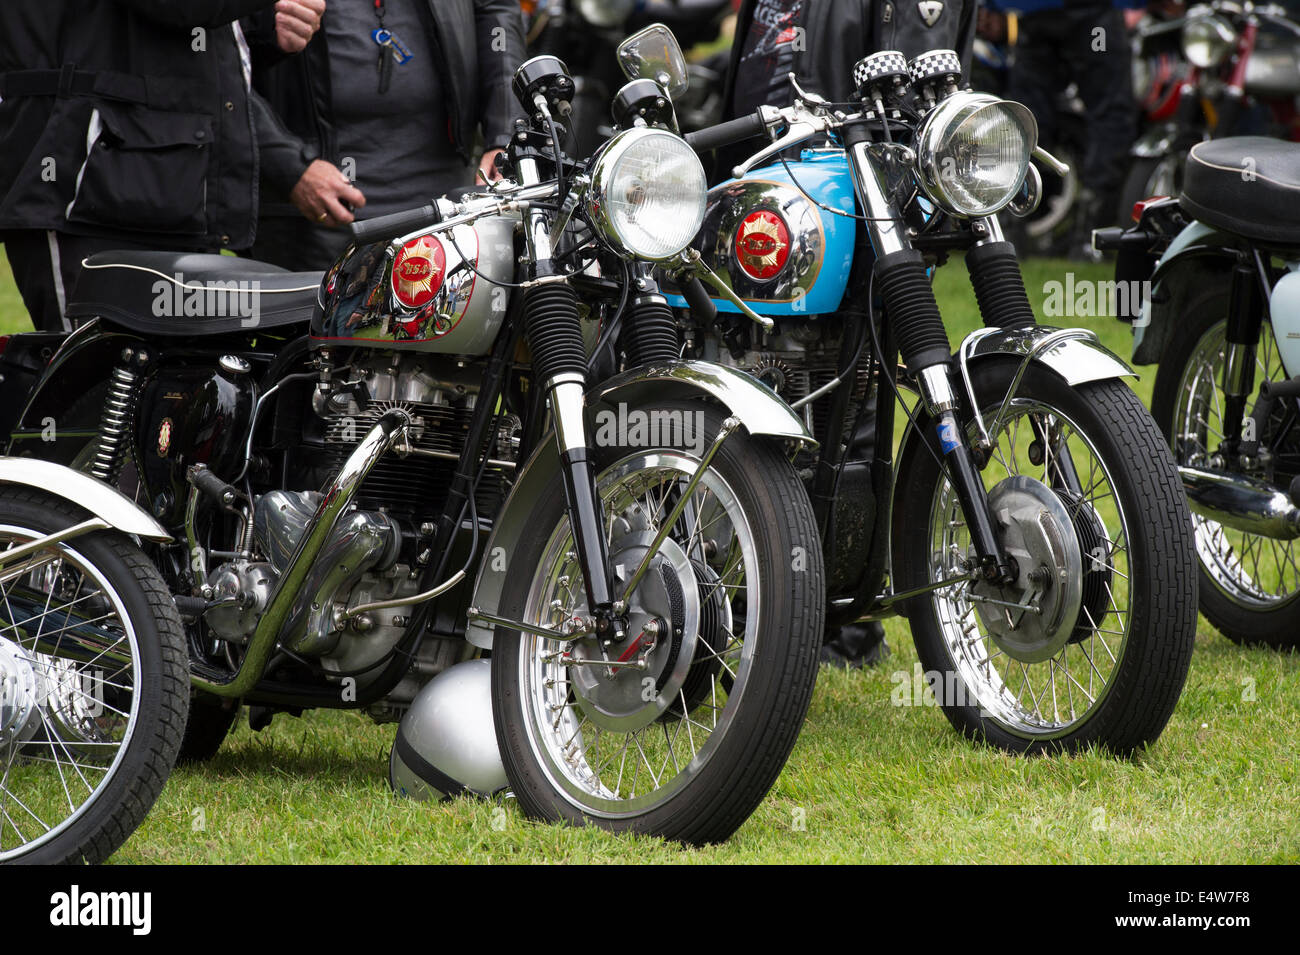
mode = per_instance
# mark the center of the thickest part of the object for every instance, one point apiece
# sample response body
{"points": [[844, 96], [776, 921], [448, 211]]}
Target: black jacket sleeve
{"points": [[195, 13], [500, 29], [283, 156]]}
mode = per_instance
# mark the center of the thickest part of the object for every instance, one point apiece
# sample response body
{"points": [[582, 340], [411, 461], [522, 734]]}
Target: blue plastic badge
{"points": [[948, 440]]}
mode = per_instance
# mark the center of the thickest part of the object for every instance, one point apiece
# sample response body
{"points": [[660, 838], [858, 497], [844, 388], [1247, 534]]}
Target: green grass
{"points": [[869, 781], [13, 316]]}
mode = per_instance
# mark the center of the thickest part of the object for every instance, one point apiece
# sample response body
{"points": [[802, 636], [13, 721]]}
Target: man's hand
{"points": [[487, 166], [296, 22], [321, 192]]}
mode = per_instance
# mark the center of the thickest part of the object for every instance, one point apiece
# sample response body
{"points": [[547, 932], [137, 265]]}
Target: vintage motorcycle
{"points": [[1242, 74], [1221, 315], [453, 461], [1031, 526]]}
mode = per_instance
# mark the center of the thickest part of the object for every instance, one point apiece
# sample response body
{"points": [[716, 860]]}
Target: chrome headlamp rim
{"points": [[934, 131], [603, 168], [1215, 32]]}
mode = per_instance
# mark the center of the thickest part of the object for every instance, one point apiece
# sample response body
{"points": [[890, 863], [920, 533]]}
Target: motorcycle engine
{"points": [[795, 359], [376, 550]]}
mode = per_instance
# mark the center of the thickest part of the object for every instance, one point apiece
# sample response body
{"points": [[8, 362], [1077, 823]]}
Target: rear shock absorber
{"points": [[118, 417], [649, 332], [913, 313]]}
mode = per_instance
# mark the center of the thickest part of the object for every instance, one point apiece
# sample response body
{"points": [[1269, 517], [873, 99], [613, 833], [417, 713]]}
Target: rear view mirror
{"points": [[654, 54]]}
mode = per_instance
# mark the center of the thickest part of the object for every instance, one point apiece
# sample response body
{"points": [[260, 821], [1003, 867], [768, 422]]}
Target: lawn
{"points": [[869, 781]]}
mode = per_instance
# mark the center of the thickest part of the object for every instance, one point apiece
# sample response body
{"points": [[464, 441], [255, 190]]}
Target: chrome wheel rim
{"points": [[1253, 571], [613, 772], [1055, 696], [56, 605]]}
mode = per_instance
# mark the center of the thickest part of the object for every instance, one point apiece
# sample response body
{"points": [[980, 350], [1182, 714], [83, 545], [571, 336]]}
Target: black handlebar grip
{"points": [[724, 134], [697, 297], [398, 223]]}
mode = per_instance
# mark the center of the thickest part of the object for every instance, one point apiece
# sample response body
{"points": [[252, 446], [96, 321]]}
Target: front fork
{"points": [[904, 285], [559, 360]]}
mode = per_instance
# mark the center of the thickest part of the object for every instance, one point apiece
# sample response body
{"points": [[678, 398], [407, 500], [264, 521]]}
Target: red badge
{"points": [[762, 244], [418, 271]]}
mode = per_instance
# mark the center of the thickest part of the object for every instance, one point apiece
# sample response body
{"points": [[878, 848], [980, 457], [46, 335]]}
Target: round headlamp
{"points": [[647, 194], [1207, 40], [973, 151]]}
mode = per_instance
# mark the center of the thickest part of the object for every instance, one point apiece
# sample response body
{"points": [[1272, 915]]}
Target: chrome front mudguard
{"points": [[112, 508], [1076, 354], [760, 411]]}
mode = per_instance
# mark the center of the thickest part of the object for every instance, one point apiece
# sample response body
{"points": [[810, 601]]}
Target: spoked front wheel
{"points": [[93, 686], [679, 728], [1091, 644]]}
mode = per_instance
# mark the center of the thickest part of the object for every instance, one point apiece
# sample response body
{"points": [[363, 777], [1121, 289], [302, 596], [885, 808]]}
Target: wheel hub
{"points": [[1032, 619], [19, 696], [630, 683]]}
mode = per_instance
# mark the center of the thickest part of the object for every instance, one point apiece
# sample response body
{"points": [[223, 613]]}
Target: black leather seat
{"points": [[1247, 185], [186, 294]]}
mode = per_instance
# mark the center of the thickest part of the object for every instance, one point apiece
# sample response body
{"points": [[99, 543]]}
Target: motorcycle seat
{"points": [[189, 294], [1246, 185]]}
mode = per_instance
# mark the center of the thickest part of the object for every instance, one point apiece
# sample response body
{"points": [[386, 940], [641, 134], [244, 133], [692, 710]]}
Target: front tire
{"points": [[740, 576], [1108, 673], [93, 654], [1249, 584]]}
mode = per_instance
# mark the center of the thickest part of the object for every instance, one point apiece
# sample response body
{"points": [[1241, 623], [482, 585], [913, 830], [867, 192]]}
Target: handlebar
{"points": [[724, 134], [395, 224]]}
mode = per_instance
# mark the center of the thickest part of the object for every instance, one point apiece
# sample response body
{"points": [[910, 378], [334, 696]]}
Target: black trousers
{"points": [[46, 266], [1059, 47]]}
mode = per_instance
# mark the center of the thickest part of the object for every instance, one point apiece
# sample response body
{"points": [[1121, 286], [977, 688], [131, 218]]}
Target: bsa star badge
{"points": [[418, 271], [762, 244]]}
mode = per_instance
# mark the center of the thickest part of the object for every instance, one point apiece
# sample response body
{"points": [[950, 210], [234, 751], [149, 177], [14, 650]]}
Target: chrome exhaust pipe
{"points": [[336, 497], [1240, 502]]}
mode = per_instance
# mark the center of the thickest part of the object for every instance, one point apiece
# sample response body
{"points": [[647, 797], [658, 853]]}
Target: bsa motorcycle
{"points": [[1221, 316], [1031, 526], [1241, 74], [454, 461]]}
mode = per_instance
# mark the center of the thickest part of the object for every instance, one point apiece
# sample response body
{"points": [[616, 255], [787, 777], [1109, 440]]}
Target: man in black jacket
{"points": [[403, 118], [131, 124]]}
